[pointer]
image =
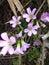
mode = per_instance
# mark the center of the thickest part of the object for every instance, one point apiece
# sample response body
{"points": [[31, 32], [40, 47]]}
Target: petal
{"points": [[47, 18], [43, 25], [11, 22], [34, 17], [19, 22], [18, 51], [19, 17], [28, 10], [19, 35], [26, 30], [4, 50], [25, 15], [14, 18], [30, 25], [12, 39], [5, 36], [25, 46], [29, 33], [36, 26], [34, 32], [28, 19], [33, 11], [14, 25], [11, 50], [3, 43]]}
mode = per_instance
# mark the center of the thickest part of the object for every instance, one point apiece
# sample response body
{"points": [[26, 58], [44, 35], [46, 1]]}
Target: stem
{"points": [[21, 27], [43, 52], [40, 7], [20, 59]]}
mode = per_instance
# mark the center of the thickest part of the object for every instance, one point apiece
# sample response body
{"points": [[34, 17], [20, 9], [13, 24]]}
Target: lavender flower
{"points": [[37, 43], [24, 45], [19, 35], [7, 43], [30, 15], [15, 21], [18, 50], [31, 29], [45, 17]]}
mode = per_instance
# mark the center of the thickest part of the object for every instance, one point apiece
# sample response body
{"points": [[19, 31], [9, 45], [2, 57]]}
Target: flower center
{"points": [[9, 43], [30, 16], [30, 28], [16, 22]]}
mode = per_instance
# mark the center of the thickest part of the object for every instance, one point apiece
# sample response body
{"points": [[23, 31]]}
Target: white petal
{"points": [[11, 50], [14, 18], [3, 43], [47, 18], [25, 15], [4, 50], [19, 17], [14, 25], [5, 36], [11, 22], [29, 33], [34, 32], [33, 11], [12, 39], [28, 10], [28, 19]]}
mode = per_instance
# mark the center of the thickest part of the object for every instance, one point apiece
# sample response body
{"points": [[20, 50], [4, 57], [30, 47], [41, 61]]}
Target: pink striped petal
{"points": [[28, 10], [5, 36], [25, 15], [29, 33], [14, 18], [14, 25], [11, 22], [28, 19], [11, 50], [19, 17], [3, 43], [34, 32], [13, 40], [33, 11], [4, 50]]}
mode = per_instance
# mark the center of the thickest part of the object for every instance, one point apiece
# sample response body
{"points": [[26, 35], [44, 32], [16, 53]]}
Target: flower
{"points": [[37, 43], [31, 29], [19, 35], [15, 21], [24, 45], [18, 49], [30, 14], [45, 17], [7, 43]]}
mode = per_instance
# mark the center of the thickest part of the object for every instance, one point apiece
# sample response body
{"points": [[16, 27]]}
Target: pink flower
{"points": [[37, 43], [24, 45], [45, 17], [15, 21], [31, 29], [19, 35], [7, 43], [18, 49], [31, 14]]}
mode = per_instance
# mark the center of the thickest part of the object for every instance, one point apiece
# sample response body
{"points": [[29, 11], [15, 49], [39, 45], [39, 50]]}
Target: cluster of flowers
{"points": [[7, 43]]}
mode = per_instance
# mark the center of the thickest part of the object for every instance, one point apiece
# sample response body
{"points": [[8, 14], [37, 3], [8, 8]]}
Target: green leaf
{"points": [[15, 61]]}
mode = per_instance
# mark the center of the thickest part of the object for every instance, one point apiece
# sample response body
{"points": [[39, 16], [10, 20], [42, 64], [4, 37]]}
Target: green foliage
{"points": [[15, 61], [34, 53], [23, 23]]}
